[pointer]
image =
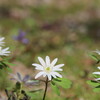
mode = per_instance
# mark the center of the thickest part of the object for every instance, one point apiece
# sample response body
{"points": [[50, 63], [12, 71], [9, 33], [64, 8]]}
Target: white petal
{"points": [[97, 79], [39, 74], [49, 76], [57, 74], [97, 51], [41, 61], [47, 59], [2, 38], [53, 75], [38, 66], [45, 74], [57, 69], [6, 49], [60, 65], [96, 73], [54, 62], [98, 67]]}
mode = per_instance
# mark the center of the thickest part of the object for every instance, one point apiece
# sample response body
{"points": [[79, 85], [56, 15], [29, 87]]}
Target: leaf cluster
{"points": [[60, 82]]}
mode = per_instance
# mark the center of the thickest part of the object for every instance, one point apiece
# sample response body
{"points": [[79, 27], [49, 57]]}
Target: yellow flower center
{"points": [[47, 69]]}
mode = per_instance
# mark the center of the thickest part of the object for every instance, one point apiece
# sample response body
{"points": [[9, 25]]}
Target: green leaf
{"points": [[9, 63], [3, 65], [55, 89], [9, 69], [63, 82], [94, 57], [97, 89], [93, 83], [96, 76]]}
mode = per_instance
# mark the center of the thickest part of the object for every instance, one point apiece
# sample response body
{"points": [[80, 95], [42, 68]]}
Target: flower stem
{"points": [[46, 86]]}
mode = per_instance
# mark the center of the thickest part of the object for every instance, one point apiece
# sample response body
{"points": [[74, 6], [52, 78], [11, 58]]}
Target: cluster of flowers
{"points": [[46, 68], [3, 52], [97, 73]]}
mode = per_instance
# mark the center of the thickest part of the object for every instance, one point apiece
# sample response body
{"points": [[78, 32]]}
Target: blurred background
{"points": [[66, 29]]}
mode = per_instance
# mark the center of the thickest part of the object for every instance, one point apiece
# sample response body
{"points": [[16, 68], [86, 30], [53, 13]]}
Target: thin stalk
{"points": [[46, 86]]}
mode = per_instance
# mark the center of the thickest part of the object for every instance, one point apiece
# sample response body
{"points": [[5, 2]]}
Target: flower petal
{"points": [[31, 83], [49, 76], [19, 76], [26, 78], [41, 61], [97, 79], [99, 67], [5, 49], [57, 74], [97, 51], [54, 62], [38, 66], [53, 75], [57, 69], [39, 74], [14, 77], [47, 59], [2, 38], [96, 73], [45, 74], [58, 66]]}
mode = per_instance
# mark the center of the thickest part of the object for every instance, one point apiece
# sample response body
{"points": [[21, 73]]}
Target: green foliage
{"points": [[55, 89], [35, 95], [93, 83], [4, 63], [63, 82], [97, 89], [17, 93], [78, 60], [94, 57]]}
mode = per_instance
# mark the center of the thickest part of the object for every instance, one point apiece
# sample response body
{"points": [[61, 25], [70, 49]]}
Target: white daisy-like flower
{"points": [[97, 73], [97, 51], [48, 68], [4, 52], [1, 41]]}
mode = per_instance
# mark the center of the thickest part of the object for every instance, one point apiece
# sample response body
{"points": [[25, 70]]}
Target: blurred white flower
{"points": [[48, 69], [97, 51], [1, 41], [4, 52], [97, 73]]}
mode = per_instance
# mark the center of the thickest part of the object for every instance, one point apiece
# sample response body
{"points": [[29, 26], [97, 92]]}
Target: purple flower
{"points": [[21, 37], [26, 80]]}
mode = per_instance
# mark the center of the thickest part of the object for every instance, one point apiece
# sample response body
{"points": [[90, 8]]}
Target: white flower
{"points": [[4, 52], [97, 73], [48, 69], [1, 41], [97, 51]]}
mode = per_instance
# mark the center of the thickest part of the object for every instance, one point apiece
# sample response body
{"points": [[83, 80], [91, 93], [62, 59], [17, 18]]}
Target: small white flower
{"points": [[97, 73], [97, 51], [4, 52], [1, 41], [48, 69]]}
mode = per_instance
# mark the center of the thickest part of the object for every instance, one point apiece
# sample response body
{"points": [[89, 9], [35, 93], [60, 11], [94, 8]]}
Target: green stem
{"points": [[46, 86]]}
